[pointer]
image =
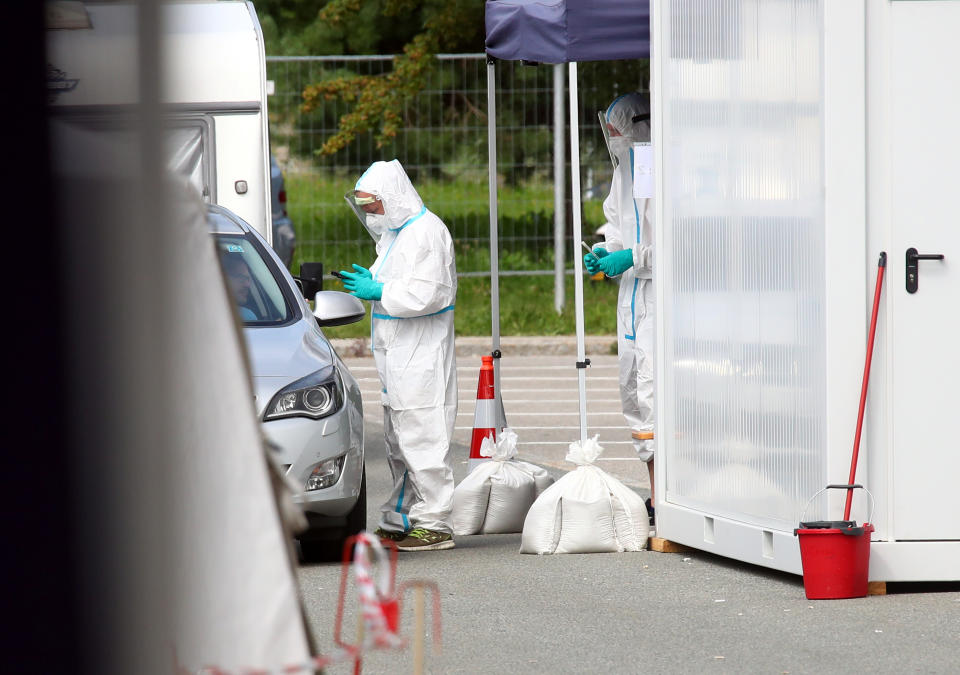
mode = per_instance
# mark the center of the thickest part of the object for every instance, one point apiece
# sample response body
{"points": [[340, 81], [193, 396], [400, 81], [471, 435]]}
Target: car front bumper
{"points": [[303, 444]]}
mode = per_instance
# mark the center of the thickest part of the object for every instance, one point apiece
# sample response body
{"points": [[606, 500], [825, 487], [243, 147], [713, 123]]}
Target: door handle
{"points": [[913, 268]]}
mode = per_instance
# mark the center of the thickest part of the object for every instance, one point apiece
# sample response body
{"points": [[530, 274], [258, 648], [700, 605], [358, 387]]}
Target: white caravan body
{"points": [[213, 93]]}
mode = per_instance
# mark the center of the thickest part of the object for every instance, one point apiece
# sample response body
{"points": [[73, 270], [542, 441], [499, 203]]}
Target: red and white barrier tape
{"points": [[376, 634]]}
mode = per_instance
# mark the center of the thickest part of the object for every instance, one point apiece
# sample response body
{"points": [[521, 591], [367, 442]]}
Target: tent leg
{"points": [[559, 196], [494, 235], [578, 262]]}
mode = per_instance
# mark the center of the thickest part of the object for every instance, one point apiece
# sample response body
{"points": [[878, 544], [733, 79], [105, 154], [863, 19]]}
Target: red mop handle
{"points": [[881, 266]]}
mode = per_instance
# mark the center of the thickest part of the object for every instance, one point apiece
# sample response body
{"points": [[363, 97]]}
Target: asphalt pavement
{"points": [[645, 612]]}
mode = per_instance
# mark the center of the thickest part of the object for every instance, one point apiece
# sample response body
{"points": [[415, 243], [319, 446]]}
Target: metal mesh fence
{"points": [[442, 144]]}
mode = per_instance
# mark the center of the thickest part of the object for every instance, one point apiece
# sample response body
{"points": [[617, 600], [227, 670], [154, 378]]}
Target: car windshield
{"points": [[255, 288]]}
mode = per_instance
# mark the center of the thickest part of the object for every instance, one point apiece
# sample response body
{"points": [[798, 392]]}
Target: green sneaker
{"points": [[387, 534], [419, 539]]}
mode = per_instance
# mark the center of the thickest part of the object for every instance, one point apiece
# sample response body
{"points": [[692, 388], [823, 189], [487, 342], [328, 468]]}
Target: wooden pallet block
{"points": [[665, 545], [876, 588]]}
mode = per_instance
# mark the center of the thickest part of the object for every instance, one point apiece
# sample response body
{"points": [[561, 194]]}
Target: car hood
{"points": [[287, 352]]}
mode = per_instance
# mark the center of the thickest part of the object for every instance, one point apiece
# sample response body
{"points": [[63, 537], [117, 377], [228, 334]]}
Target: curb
{"points": [[524, 345]]}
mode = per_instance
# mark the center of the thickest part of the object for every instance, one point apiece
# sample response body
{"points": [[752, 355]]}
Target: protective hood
{"points": [[390, 184], [630, 115]]}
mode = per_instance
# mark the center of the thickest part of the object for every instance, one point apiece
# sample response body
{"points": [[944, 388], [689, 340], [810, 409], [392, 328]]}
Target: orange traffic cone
{"points": [[485, 417]]}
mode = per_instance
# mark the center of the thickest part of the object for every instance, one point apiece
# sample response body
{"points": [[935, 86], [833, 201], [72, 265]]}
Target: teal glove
{"points": [[592, 260], [359, 271], [617, 262], [361, 284]]}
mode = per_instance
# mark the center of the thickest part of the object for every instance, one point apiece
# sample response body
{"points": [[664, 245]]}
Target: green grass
{"points": [[526, 308], [455, 198], [328, 232]]}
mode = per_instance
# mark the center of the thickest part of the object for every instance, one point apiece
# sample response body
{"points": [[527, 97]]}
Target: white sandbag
{"points": [[586, 511], [512, 491], [541, 479], [470, 499], [495, 496]]}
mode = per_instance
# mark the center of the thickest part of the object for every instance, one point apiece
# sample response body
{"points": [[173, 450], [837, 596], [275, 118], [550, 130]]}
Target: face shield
{"points": [[606, 137], [369, 210]]}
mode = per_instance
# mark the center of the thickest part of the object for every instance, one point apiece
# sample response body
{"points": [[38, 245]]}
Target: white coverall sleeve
{"points": [[642, 253], [426, 282], [611, 208], [642, 257]]}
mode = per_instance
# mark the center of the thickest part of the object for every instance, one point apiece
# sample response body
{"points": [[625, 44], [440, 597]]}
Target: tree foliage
{"points": [[417, 29], [300, 28], [433, 114]]}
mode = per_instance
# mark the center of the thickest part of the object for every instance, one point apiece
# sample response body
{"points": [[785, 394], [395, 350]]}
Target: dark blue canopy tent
{"points": [[556, 31], [568, 31]]}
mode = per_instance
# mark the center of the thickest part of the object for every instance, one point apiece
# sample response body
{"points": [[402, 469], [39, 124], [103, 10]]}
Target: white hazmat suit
{"points": [[631, 227], [412, 340]]}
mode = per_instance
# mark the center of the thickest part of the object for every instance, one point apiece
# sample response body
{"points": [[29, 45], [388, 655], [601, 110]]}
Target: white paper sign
{"points": [[642, 171]]}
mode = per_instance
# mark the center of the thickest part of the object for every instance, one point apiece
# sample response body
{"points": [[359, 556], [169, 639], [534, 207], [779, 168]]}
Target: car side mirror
{"points": [[310, 279], [336, 308]]}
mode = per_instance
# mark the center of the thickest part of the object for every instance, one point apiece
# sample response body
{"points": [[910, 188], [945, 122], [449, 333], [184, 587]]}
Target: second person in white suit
{"points": [[628, 253]]}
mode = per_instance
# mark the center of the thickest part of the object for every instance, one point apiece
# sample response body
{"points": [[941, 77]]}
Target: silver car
{"points": [[308, 401]]}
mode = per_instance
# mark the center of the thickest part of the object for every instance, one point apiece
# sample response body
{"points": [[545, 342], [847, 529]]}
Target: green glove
{"points": [[617, 262], [592, 260], [360, 271], [361, 284]]}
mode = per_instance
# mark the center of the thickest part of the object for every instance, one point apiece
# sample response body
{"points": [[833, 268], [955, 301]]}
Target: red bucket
{"points": [[835, 554], [836, 560]]}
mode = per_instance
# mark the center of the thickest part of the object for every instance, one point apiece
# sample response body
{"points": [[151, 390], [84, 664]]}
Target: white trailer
{"points": [[795, 141], [213, 89]]}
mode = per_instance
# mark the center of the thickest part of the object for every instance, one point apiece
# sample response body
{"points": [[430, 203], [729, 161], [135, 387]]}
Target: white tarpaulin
{"points": [[186, 532], [238, 599]]}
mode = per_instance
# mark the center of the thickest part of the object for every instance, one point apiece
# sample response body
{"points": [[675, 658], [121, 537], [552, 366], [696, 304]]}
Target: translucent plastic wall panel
{"points": [[742, 257]]}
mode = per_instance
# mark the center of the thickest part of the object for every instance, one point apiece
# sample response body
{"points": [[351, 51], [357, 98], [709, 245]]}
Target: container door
{"points": [[925, 324]]}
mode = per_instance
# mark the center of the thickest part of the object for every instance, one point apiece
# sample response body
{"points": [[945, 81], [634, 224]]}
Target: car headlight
{"points": [[325, 474], [314, 396]]}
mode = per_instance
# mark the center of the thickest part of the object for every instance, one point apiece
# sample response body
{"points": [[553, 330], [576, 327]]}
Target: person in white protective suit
{"points": [[628, 253], [411, 287]]}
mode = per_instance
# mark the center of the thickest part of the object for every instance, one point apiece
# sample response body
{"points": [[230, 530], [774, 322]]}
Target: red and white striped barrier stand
{"points": [[378, 604], [485, 417]]}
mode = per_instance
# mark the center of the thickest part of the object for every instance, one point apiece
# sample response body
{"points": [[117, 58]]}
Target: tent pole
{"points": [[494, 236], [559, 196], [578, 262]]}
